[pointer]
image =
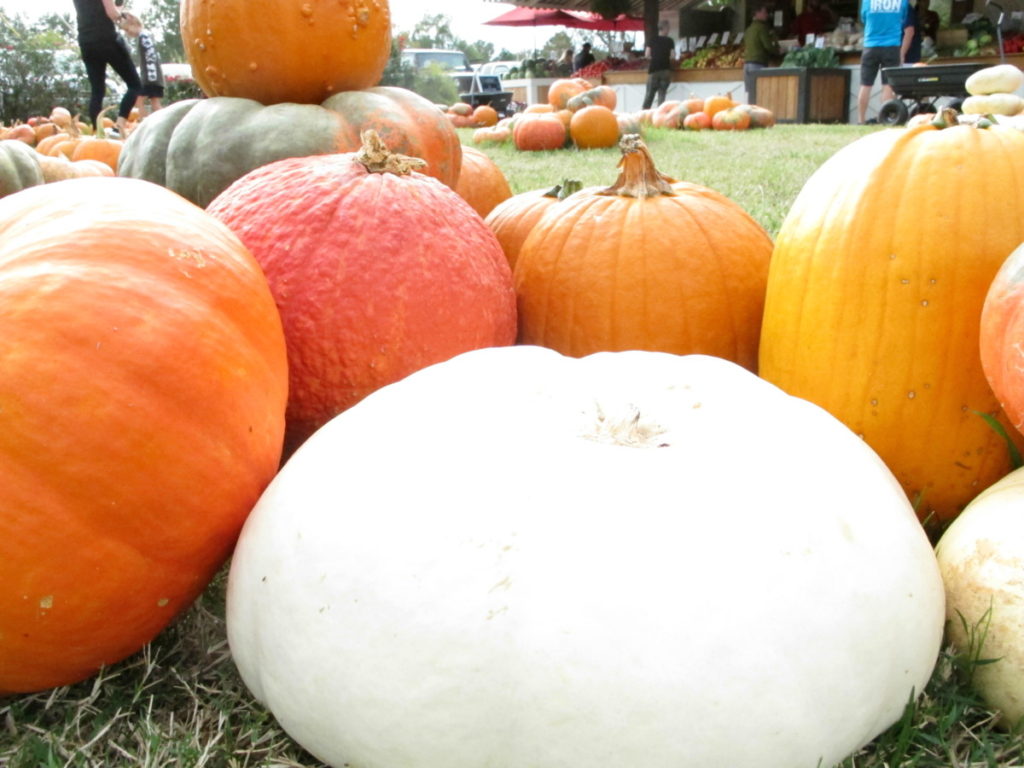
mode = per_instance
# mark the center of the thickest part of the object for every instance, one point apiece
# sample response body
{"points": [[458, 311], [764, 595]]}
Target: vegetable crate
{"points": [[917, 89]]}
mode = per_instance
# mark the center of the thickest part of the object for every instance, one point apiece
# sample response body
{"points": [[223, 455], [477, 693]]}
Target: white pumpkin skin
{"points": [[472, 569], [981, 558]]}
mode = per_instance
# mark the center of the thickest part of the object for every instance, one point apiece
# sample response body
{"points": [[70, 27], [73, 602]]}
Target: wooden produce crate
{"points": [[804, 95]]}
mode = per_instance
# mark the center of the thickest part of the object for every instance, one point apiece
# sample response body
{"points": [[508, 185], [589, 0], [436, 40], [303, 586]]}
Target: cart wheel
{"points": [[920, 108], [893, 112]]}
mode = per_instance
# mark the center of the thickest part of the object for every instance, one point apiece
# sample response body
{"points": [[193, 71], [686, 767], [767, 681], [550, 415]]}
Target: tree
{"points": [[433, 32], [40, 68], [164, 22]]}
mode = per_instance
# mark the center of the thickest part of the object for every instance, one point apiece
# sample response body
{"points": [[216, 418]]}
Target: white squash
{"points": [[1000, 78], [993, 104], [635, 559], [981, 558]]}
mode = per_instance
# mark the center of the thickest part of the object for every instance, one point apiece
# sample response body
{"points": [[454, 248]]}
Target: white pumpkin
{"points": [[518, 559], [981, 558], [993, 104], [999, 78]]}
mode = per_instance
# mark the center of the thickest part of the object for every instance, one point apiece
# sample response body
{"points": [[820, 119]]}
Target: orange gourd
{"points": [[143, 394], [875, 297], [482, 183], [1002, 337], [717, 103], [648, 263], [285, 50]]}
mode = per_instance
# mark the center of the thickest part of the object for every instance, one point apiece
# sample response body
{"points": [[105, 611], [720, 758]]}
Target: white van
{"points": [[455, 61]]}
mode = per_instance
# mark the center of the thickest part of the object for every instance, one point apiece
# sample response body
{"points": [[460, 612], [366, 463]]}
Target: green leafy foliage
{"points": [[39, 68]]}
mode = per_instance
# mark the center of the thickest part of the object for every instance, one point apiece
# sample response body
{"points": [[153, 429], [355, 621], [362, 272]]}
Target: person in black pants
{"points": [[661, 52], [100, 45]]}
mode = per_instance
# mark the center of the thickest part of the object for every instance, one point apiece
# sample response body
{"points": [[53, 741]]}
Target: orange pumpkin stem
{"points": [[377, 158], [638, 177]]}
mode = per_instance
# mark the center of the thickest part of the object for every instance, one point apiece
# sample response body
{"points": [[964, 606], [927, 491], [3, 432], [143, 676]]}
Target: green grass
{"points": [[762, 170], [180, 702]]}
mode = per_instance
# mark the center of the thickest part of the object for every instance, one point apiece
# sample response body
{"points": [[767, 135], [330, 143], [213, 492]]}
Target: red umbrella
{"points": [[538, 17], [620, 23], [522, 16]]}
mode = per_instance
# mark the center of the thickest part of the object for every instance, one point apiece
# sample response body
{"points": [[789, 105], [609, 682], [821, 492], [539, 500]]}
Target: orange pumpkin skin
{"points": [[732, 119], [485, 115], [594, 127], [697, 121], [717, 103], [105, 150], [533, 133], [277, 51], [590, 276], [143, 395], [1002, 337], [563, 89], [481, 182], [512, 219], [376, 275], [875, 296]]}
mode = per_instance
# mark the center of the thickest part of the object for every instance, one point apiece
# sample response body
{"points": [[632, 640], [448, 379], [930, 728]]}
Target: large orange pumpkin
{"points": [[143, 384], [377, 270], [647, 263], [875, 296], [482, 183], [285, 50]]}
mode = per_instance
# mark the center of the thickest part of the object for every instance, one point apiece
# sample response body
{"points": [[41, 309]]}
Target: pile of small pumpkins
{"points": [[582, 115], [170, 335], [53, 148]]}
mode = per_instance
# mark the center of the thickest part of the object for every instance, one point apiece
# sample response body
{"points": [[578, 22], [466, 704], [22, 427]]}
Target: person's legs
{"points": [[96, 70], [863, 96], [649, 93], [121, 62], [661, 85]]}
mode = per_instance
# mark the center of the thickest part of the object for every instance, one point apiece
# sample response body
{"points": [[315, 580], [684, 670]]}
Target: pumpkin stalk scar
{"points": [[375, 156], [639, 177], [629, 431]]}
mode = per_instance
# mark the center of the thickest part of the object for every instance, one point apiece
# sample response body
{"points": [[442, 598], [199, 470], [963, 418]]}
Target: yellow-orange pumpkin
{"points": [[875, 297], [647, 263], [143, 393], [285, 50]]}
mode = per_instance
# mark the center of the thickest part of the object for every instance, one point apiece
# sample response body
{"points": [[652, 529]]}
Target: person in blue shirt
{"points": [[886, 38]]}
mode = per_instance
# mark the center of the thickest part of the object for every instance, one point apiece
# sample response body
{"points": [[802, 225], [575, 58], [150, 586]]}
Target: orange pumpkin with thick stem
{"points": [[143, 394], [591, 277], [482, 183], [377, 270], [285, 50], [875, 299]]}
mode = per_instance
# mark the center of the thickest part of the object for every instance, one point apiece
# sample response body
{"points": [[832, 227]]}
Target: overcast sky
{"points": [[467, 18]]}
